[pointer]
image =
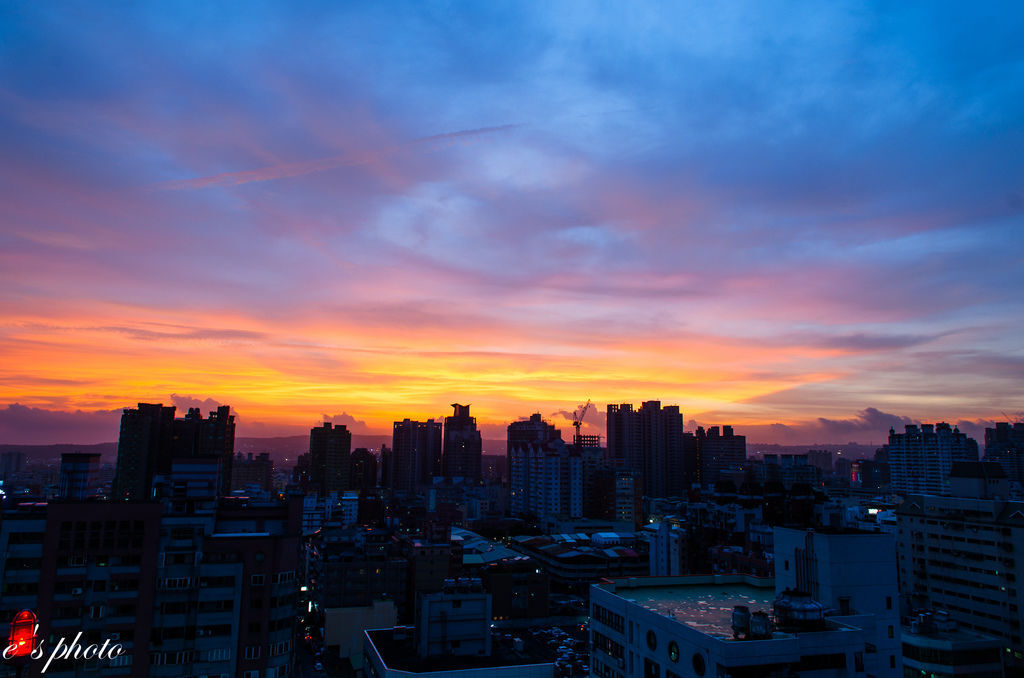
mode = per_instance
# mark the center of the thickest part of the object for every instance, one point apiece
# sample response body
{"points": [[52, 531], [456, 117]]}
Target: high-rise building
{"points": [[719, 452], [1005, 444], [661, 445], [145, 447], [329, 450], [962, 555], [79, 472], [545, 475], [415, 454], [151, 438], [623, 429], [650, 441], [463, 446], [249, 471], [920, 459], [362, 473]]}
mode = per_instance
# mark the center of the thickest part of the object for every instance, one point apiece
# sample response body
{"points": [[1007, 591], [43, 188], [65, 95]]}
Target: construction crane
{"points": [[577, 419]]}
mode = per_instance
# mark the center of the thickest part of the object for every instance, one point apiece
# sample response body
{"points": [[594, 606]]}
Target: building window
{"points": [[888, 602], [892, 661], [651, 669], [652, 640], [673, 650], [699, 665], [891, 632], [257, 580]]}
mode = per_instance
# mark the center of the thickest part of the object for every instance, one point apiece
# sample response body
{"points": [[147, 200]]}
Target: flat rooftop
{"points": [[400, 653], [705, 607]]}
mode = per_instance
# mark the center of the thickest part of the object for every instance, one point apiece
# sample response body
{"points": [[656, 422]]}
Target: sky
{"points": [[804, 219]]}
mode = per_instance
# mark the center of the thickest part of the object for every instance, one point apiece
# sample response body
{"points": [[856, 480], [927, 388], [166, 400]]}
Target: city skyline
{"points": [[797, 220]]}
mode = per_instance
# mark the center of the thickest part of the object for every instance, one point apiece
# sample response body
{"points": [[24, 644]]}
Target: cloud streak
{"points": [[297, 169]]}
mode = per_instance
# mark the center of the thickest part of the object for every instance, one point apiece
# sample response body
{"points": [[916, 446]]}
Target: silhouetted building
{"points": [[11, 463], [362, 474], [329, 449], [463, 446], [920, 459], [524, 433], [623, 429], [247, 471], [416, 454], [79, 472], [145, 447], [661, 449], [719, 452], [1004, 444], [618, 495]]}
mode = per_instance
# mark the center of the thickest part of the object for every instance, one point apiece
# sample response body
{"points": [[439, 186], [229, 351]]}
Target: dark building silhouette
{"points": [[661, 445], [624, 446], [362, 473], [463, 446], [1004, 444], [79, 471], [248, 470], [329, 450], [650, 441], [145, 447], [719, 451], [415, 455]]}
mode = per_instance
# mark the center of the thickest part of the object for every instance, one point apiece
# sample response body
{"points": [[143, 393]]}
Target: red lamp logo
{"points": [[23, 635]]}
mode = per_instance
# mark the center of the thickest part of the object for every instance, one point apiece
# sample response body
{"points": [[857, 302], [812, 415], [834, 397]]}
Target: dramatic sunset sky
{"points": [[804, 219]]}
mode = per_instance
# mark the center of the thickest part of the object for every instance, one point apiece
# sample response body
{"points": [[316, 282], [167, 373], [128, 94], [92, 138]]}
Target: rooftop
{"points": [[705, 602], [398, 651], [705, 607]]}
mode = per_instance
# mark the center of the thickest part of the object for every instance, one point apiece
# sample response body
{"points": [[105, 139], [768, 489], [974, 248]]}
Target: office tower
{"points": [[463, 446], [545, 476], [248, 471], [79, 472], [415, 454], [144, 448], [920, 459], [963, 555], [362, 473], [623, 429], [852, 573], [719, 452], [1005, 444], [329, 449]]}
